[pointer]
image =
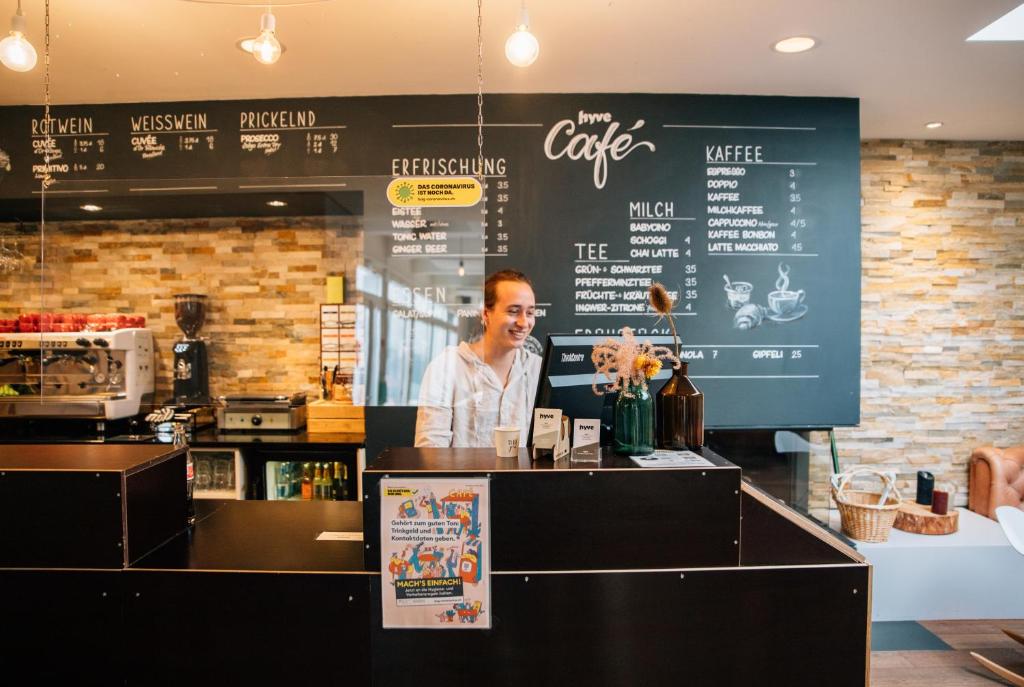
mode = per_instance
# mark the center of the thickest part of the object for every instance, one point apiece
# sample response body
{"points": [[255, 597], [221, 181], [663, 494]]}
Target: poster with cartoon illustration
{"points": [[435, 553]]}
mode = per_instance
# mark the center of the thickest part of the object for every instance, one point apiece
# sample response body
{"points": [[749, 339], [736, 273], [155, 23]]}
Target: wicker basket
{"points": [[863, 517]]}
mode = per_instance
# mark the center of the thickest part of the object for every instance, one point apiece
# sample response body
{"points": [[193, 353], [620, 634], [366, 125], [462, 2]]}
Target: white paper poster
{"points": [[435, 553]]}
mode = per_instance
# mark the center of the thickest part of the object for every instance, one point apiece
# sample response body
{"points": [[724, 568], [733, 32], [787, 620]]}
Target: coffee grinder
{"points": [[191, 369]]}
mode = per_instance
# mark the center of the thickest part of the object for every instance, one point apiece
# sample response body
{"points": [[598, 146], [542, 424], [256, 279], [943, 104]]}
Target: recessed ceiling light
{"points": [[795, 44], [276, 203], [90, 207], [1009, 27], [933, 125]]}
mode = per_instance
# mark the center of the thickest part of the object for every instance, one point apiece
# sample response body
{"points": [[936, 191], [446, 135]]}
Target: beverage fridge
{"points": [[296, 480]]}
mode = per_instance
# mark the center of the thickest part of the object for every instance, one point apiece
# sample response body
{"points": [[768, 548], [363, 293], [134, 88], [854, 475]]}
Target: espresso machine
{"points": [[94, 377], [191, 368]]}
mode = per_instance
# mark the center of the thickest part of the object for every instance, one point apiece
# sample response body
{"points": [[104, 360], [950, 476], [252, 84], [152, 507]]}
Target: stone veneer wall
{"points": [[265, 280], [942, 310]]}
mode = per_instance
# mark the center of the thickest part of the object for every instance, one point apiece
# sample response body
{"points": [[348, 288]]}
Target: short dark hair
{"points": [[491, 284]]}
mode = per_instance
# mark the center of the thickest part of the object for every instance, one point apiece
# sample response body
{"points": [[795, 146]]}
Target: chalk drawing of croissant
{"points": [[749, 316]]}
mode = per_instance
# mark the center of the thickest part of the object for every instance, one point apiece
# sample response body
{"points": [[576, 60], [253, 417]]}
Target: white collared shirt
{"points": [[462, 400]]}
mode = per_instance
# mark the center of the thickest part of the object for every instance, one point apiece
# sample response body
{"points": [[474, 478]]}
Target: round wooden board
{"points": [[913, 517]]}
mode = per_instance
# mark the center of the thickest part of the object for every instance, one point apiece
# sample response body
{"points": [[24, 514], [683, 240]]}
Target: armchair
{"points": [[996, 479]]}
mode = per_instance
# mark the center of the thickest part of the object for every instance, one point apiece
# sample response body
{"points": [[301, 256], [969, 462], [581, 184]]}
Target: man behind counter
{"points": [[470, 389]]}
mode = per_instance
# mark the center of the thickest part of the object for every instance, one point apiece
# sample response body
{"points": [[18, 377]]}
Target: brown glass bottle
{"points": [[680, 412], [307, 481]]}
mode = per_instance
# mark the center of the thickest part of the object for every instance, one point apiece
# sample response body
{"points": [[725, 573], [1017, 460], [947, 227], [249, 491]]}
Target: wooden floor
{"points": [[952, 668]]}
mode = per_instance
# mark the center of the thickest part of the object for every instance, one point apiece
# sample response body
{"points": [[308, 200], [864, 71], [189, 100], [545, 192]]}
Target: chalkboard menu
{"points": [[746, 208]]}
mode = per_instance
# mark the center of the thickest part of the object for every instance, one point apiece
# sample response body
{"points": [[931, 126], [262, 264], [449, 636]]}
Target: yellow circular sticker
{"points": [[452, 192]]}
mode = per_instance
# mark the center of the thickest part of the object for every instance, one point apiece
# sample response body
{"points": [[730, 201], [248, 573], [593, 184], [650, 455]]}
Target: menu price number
{"points": [[795, 197], [86, 145], [501, 198], [189, 143], [319, 143]]}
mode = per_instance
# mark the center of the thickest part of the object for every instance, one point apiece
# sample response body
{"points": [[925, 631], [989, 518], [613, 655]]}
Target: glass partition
{"points": [[289, 286]]}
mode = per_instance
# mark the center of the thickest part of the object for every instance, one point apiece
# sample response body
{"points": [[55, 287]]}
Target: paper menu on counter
{"points": [[672, 459]]}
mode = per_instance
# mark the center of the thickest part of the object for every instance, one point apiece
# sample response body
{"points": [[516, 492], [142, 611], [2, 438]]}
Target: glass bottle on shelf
{"points": [[325, 483], [179, 441], [318, 482], [307, 481], [284, 480], [344, 483], [338, 484], [295, 474]]}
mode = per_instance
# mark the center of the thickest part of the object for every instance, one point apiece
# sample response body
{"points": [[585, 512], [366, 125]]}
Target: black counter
{"points": [[251, 596], [265, 536], [560, 515]]}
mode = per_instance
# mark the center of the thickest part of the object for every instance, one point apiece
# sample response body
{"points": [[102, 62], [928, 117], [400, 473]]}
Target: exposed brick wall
{"points": [[265, 280], [942, 310]]}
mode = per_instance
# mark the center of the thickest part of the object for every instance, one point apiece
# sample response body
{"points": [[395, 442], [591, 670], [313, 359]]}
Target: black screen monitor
{"points": [[567, 374]]}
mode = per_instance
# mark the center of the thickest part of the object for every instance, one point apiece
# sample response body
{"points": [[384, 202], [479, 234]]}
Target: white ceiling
{"points": [[906, 60]]}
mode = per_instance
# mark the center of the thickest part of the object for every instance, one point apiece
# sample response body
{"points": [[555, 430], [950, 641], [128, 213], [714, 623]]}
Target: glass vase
{"points": [[680, 412], [634, 422]]}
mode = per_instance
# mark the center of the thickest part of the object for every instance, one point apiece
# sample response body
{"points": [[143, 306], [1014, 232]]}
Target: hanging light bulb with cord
{"points": [[266, 48], [522, 47], [462, 268], [16, 53]]}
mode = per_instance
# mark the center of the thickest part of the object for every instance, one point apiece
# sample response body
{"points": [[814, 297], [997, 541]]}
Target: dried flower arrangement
{"points": [[662, 304], [628, 363]]}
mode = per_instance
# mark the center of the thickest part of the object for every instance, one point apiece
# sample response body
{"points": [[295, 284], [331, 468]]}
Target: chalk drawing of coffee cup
{"points": [[785, 302]]}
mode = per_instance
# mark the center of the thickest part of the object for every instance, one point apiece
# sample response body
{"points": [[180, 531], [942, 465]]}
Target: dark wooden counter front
{"points": [[560, 515], [252, 598], [88, 506]]}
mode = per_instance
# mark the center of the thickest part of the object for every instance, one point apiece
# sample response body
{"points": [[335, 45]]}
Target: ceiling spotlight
{"points": [[16, 53], [462, 269], [522, 47], [91, 207], [265, 47], [933, 125], [276, 203], [795, 44]]}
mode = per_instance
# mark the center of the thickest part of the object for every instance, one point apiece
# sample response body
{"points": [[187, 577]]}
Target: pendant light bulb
{"points": [[522, 47], [16, 53], [266, 48], [462, 269]]}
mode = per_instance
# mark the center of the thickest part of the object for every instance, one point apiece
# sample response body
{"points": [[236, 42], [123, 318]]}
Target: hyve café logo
{"points": [[568, 138]]}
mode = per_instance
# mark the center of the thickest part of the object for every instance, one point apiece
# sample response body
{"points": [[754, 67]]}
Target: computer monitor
{"points": [[567, 375]]}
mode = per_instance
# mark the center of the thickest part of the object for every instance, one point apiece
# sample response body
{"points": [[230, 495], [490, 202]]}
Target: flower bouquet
{"points": [[628, 365]]}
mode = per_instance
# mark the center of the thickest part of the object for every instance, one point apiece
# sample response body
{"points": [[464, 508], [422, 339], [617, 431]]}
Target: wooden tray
{"points": [[332, 416], [913, 517]]}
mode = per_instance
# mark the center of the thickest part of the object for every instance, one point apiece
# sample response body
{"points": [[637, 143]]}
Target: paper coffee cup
{"points": [[506, 441]]}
